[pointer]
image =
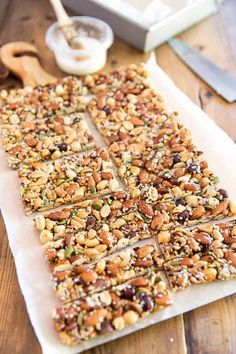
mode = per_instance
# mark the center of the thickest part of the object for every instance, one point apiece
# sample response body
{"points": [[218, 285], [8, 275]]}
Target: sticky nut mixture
{"points": [[110, 310], [91, 278]]}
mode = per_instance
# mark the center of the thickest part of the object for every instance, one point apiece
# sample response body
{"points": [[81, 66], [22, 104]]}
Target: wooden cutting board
{"points": [[22, 59]]}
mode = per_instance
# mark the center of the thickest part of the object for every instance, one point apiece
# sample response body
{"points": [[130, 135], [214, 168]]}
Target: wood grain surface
{"points": [[207, 330]]}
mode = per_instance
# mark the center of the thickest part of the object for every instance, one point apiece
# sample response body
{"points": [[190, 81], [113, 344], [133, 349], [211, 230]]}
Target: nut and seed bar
{"points": [[132, 79], [89, 230], [59, 99], [84, 246], [66, 169], [200, 268], [55, 193], [110, 310], [119, 126], [91, 278], [85, 215], [217, 238], [32, 144], [172, 212]]}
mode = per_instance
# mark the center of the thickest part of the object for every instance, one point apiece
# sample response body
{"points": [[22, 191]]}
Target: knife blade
{"points": [[219, 80]]}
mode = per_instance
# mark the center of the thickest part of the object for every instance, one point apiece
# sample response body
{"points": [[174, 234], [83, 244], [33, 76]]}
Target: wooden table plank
{"points": [[22, 21]]}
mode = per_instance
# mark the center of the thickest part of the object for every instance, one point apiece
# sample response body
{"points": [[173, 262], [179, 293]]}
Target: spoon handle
{"points": [[62, 17]]}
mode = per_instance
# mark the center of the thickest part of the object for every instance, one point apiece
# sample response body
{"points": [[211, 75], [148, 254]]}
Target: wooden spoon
{"points": [[21, 58]]}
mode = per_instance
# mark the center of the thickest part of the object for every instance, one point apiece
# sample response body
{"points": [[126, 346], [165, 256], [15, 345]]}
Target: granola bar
{"points": [[112, 309], [217, 238], [91, 278], [51, 141], [55, 193], [66, 169], [64, 97]]}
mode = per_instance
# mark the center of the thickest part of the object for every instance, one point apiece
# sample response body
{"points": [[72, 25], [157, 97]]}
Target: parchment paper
{"points": [[32, 270]]}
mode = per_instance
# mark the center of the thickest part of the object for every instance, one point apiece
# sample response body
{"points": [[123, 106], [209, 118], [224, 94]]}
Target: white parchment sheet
{"points": [[31, 268]]}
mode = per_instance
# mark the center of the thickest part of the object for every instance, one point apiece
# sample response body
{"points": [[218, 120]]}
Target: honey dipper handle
{"points": [[62, 17]]}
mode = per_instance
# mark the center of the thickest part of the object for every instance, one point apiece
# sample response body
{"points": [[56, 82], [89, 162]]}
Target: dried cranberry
{"points": [[182, 217], [176, 159], [63, 147], [180, 201], [223, 193], [146, 302], [128, 293]]}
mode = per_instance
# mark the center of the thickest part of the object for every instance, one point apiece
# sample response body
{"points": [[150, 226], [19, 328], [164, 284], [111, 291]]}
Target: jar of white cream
{"points": [[95, 37]]}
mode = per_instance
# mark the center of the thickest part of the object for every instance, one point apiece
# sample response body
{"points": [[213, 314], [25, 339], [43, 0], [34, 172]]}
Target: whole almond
{"points": [[197, 212], [59, 215], [144, 251], [205, 228], [143, 263], [157, 222], [204, 239], [88, 276], [145, 208], [95, 317], [71, 189], [220, 208], [165, 300], [231, 257], [137, 282]]}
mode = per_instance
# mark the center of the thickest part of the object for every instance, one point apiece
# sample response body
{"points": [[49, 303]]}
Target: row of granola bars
{"points": [[115, 256]]}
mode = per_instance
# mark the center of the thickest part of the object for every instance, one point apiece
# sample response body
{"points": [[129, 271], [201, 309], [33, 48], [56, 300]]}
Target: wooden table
{"points": [[209, 329]]}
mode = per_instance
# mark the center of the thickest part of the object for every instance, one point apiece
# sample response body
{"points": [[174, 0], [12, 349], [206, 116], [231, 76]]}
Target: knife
{"points": [[221, 81]]}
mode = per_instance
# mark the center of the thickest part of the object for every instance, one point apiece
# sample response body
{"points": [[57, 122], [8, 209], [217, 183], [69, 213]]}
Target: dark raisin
{"points": [[146, 302], [132, 234], [176, 159], [75, 179], [63, 147], [223, 193], [48, 121], [193, 168], [105, 327], [52, 151], [128, 293], [180, 201], [107, 110], [182, 217], [90, 220]]}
